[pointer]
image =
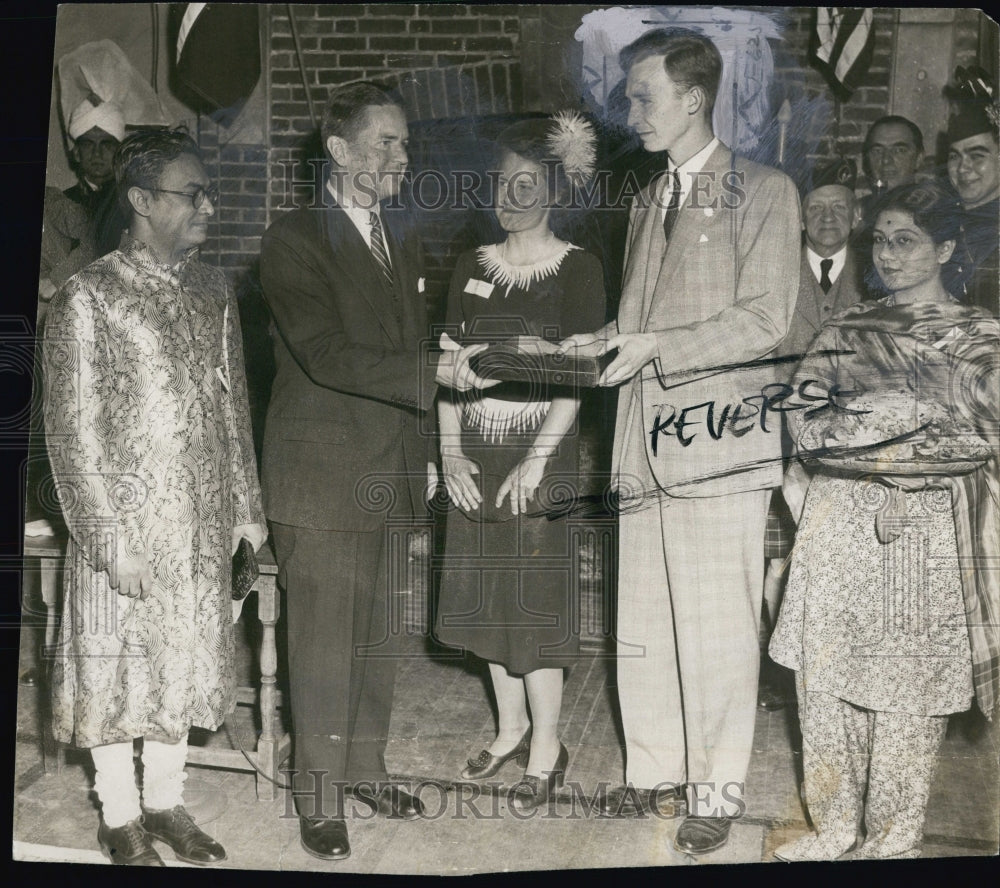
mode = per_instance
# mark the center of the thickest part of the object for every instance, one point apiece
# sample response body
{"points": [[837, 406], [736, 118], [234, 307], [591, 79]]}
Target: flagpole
{"points": [[784, 118]]}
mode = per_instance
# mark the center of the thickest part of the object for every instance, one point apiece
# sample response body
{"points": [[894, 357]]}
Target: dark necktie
{"points": [[824, 274], [673, 203], [379, 254]]}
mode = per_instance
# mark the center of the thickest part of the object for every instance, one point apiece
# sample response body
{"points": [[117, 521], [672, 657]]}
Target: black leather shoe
{"points": [[699, 835], [628, 801], [326, 839], [486, 764], [29, 678], [175, 827], [533, 792], [129, 844], [396, 803], [770, 698]]}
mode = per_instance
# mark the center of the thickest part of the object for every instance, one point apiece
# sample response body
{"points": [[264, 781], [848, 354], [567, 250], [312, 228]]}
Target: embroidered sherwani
{"points": [[148, 432]]}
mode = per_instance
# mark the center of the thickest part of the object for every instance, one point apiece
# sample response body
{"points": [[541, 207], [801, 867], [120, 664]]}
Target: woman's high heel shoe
{"points": [[486, 764], [533, 792]]}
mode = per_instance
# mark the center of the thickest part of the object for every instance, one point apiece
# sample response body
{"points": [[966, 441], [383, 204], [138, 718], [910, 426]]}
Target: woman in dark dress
{"points": [[509, 456]]}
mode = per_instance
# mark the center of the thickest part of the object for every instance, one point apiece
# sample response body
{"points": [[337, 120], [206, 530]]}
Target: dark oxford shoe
{"points": [[700, 835], [129, 844], [326, 839], [396, 803], [176, 828]]}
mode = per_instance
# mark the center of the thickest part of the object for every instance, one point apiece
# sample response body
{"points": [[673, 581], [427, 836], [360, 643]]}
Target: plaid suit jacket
{"points": [[719, 295]]}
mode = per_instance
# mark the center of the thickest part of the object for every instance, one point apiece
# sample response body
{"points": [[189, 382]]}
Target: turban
{"points": [[105, 115]]}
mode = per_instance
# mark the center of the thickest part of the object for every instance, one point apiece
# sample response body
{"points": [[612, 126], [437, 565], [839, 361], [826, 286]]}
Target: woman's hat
{"points": [[567, 136]]}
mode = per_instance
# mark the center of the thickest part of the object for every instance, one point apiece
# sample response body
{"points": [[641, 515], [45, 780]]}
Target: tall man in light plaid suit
{"points": [[711, 276]]}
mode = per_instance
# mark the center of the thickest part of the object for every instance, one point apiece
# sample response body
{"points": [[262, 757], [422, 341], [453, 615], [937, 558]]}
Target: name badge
{"points": [[479, 288]]}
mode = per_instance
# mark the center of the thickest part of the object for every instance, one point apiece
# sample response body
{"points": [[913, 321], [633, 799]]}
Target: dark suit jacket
{"points": [[342, 425]]}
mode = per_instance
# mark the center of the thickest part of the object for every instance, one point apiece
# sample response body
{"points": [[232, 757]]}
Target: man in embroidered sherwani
{"points": [[148, 431]]}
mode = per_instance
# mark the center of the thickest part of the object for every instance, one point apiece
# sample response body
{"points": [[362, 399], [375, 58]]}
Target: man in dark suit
{"points": [[342, 448], [829, 282]]}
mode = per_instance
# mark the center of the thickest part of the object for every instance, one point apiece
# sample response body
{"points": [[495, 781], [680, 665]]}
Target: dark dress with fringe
{"points": [[507, 590]]}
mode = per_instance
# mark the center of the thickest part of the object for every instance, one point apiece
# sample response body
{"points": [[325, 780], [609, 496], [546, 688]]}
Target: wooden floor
{"points": [[443, 714]]}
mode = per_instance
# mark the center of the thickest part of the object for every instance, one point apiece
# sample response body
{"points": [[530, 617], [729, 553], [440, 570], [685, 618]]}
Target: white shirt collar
{"points": [[687, 171], [814, 259], [360, 216]]}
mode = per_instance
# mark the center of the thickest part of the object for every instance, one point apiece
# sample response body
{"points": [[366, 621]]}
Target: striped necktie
{"points": [[379, 253]]}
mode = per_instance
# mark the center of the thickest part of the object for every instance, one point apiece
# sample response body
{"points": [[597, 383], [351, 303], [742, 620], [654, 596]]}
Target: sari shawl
{"points": [[917, 405]]}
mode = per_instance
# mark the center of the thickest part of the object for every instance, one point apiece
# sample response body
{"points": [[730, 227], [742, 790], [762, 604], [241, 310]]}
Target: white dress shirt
{"points": [[361, 218], [814, 259], [687, 172]]}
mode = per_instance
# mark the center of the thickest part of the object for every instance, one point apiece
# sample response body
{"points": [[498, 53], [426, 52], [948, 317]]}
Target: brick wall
{"points": [[832, 127], [452, 61], [447, 61]]}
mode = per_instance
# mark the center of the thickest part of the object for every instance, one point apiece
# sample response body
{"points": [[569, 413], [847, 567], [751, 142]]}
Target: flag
{"points": [[845, 41], [216, 56]]}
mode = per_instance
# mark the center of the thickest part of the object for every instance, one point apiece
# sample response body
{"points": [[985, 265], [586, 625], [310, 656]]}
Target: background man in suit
{"points": [[829, 282], [710, 277], [893, 152], [828, 275], [341, 448]]}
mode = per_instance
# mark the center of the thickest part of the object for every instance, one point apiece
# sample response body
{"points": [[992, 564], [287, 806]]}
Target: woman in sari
{"points": [[890, 617]]}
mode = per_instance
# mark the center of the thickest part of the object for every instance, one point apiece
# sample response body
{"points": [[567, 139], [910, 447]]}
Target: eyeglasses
{"points": [[903, 245], [198, 196]]}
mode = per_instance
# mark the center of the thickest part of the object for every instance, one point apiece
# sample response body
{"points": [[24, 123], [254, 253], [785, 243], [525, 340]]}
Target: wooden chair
{"points": [[272, 746]]}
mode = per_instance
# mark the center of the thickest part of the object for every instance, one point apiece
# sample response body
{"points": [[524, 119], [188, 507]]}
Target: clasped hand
{"points": [[635, 350], [453, 370], [132, 577]]}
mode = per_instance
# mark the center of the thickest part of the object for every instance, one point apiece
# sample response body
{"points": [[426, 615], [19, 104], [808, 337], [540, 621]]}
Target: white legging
{"points": [[162, 784]]}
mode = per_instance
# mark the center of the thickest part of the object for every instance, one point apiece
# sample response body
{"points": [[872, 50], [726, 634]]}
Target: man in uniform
{"points": [[974, 172]]}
